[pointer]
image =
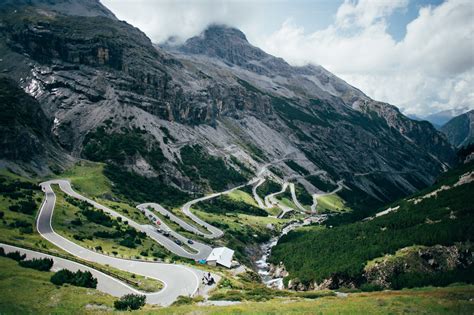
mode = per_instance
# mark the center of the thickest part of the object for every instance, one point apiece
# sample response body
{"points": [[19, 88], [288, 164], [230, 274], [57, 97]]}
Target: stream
{"points": [[263, 267]]}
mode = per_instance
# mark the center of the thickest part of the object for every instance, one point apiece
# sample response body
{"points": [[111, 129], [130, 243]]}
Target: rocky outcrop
{"points": [[25, 131], [278, 271], [332, 283], [417, 259]]}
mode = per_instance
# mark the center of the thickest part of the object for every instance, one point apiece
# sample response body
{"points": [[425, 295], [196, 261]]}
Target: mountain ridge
{"points": [[104, 84], [460, 129]]}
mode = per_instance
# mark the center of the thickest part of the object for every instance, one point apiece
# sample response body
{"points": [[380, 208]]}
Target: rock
{"points": [[419, 259]]}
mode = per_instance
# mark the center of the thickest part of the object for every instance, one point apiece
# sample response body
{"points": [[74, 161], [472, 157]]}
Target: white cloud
{"points": [[160, 19], [430, 70]]}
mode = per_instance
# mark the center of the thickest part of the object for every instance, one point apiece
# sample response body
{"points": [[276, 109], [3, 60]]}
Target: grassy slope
{"points": [[344, 250], [88, 178], [15, 235], [27, 291], [65, 212], [332, 203]]}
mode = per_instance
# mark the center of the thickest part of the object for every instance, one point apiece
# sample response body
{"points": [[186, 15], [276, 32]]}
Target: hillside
{"points": [[460, 130], [340, 256], [175, 116], [22, 281]]}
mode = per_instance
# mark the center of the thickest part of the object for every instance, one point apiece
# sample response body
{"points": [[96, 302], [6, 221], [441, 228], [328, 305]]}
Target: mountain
{"points": [[206, 115], [421, 240], [460, 129], [25, 132], [440, 118]]}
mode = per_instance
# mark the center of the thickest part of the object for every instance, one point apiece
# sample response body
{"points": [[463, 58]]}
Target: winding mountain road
{"points": [[340, 185], [177, 279]]}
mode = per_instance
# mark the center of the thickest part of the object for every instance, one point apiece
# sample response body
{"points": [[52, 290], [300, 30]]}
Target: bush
{"points": [[76, 222], [183, 300], [1, 214], [128, 242], [41, 264], [78, 278], [20, 224], [26, 207], [130, 302], [26, 230], [16, 256]]}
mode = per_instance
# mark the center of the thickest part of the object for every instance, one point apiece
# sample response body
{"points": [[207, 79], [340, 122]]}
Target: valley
{"points": [[209, 176]]}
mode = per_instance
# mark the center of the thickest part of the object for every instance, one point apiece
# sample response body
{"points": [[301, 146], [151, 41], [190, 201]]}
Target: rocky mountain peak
{"points": [[223, 42]]}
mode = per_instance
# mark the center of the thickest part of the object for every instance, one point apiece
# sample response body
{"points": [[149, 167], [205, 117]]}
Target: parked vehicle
{"points": [[178, 242], [159, 231], [190, 242], [166, 234]]}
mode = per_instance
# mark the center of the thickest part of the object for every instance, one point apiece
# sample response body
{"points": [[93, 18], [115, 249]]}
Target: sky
{"points": [[415, 54]]}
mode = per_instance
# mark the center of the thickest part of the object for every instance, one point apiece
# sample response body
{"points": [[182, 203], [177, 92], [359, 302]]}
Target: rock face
{"points": [[24, 130], [460, 130], [92, 73], [416, 260]]}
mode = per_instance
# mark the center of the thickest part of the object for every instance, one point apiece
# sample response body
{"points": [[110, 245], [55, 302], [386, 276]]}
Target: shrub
{"points": [[20, 224], [76, 222], [183, 300], [128, 242], [26, 230], [78, 278], [16, 256], [41, 264], [1, 214], [130, 302]]}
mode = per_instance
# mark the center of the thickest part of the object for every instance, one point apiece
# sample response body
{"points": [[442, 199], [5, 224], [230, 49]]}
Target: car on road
{"points": [[166, 233], [159, 231], [178, 242], [190, 242]]}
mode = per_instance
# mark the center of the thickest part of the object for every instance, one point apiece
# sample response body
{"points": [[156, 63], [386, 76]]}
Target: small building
{"points": [[220, 256]]}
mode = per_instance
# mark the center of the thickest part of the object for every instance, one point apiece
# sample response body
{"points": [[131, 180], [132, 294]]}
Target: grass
{"points": [[239, 195], [15, 235], [27, 291], [88, 178], [65, 213], [331, 203]]}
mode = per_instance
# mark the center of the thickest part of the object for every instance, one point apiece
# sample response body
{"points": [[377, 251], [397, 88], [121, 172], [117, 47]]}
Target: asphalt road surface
{"points": [[177, 279]]}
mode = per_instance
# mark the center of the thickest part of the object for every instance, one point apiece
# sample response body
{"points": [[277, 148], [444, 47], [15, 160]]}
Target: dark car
{"points": [[190, 242], [178, 242], [159, 230], [166, 234]]}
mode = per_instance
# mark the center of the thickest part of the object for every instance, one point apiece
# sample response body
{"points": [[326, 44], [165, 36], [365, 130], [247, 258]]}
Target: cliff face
{"points": [[24, 131], [216, 91], [460, 129]]}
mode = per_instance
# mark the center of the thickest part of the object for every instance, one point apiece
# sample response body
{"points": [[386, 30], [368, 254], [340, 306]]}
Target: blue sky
{"points": [[315, 15], [415, 54]]}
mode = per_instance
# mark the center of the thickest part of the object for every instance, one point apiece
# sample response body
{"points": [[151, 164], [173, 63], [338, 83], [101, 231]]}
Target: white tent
{"points": [[222, 256]]}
